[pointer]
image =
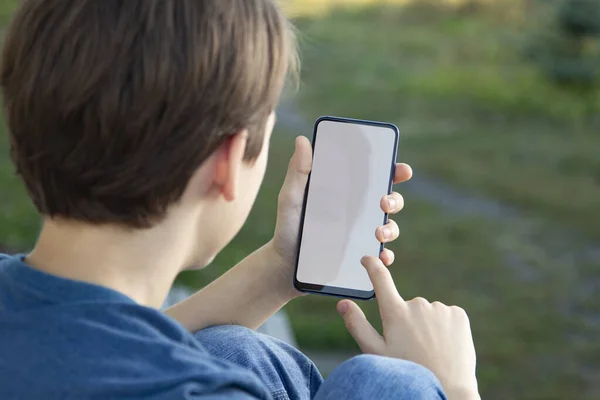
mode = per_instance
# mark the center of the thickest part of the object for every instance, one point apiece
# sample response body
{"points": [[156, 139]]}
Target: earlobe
{"points": [[235, 148]]}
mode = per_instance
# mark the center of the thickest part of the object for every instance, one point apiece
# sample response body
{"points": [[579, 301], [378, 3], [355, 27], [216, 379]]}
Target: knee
{"points": [[280, 366], [224, 333], [229, 341], [251, 349], [401, 369], [243, 347], [399, 378]]}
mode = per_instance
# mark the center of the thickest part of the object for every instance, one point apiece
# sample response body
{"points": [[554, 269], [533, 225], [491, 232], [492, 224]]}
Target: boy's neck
{"points": [[141, 264]]}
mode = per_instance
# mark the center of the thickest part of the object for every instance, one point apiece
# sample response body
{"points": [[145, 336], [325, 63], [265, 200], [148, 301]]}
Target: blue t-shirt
{"points": [[63, 339]]}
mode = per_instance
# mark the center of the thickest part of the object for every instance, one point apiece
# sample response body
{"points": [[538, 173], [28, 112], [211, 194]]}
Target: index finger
{"points": [[402, 173], [388, 297]]}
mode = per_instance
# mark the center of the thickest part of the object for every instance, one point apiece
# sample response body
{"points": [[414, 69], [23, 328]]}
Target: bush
{"points": [[579, 18], [566, 45]]}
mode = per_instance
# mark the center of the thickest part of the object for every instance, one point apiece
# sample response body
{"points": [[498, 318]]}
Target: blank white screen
{"points": [[350, 175]]}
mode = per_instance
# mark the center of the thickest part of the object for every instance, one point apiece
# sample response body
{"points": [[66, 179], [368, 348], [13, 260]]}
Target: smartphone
{"points": [[353, 168]]}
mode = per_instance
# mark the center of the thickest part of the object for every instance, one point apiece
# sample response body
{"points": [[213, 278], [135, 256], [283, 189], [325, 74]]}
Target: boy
{"points": [[140, 129]]}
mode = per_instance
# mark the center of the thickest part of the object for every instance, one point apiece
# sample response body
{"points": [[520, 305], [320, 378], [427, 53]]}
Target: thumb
{"points": [[301, 162], [367, 338], [293, 187]]}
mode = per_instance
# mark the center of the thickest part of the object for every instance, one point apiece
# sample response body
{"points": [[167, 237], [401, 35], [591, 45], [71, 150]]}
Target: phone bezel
{"points": [[333, 290]]}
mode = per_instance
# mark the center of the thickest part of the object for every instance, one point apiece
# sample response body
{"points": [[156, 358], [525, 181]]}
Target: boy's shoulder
{"points": [[84, 341], [74, 354], [5, 260]]}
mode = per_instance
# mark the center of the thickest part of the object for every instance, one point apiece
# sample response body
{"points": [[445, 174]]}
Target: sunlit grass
{"points": [[297, 8]]}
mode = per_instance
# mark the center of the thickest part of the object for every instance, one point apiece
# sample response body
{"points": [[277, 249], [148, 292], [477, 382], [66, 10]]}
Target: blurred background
{"points": [[498, 103]]}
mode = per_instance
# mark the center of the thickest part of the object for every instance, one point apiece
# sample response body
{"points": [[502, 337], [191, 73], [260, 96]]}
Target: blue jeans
{"points": [[290, 375]]}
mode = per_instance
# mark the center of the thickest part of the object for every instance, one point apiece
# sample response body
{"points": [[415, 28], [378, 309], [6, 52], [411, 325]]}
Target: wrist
{"points": [[463, 392], [282, 271]]}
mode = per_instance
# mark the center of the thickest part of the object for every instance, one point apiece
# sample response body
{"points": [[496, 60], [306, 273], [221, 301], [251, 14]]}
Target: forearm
{"points": [[247, 295]]}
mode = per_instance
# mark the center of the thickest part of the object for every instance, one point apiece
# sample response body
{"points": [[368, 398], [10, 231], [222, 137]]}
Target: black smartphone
{"points": [[353, 168]]}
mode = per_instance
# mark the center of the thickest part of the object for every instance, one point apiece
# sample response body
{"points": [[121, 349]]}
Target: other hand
{"points": [[433, 335]]}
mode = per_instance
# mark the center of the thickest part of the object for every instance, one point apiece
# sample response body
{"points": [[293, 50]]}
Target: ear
{"points": [[229, 163]]}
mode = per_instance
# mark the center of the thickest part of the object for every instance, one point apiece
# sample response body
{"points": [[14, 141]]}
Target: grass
{"points": [[6, 9], [18, 220], [473, 114]]}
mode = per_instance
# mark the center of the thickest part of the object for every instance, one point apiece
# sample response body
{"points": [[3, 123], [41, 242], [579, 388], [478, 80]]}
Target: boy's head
{"points": [[119, 111]]}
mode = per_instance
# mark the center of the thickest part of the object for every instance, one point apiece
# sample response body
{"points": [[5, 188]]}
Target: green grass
{"points": [[475, 115], [18, 220], [6, 9], [471, 111]]}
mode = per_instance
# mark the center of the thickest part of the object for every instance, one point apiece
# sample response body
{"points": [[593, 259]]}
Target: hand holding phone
{"points": [[289, 211]]}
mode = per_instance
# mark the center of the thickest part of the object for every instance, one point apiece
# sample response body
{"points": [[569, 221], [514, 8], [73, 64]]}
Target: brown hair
{"points": [[112, 105]]}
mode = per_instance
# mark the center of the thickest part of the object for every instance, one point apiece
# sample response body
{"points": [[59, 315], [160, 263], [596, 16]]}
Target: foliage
{"points": [[6, 9], [566, 47]]}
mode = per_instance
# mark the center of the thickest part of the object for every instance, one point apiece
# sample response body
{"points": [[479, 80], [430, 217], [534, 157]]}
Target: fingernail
{"points": [[342, 308], [387, 232], [392, 203]]}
